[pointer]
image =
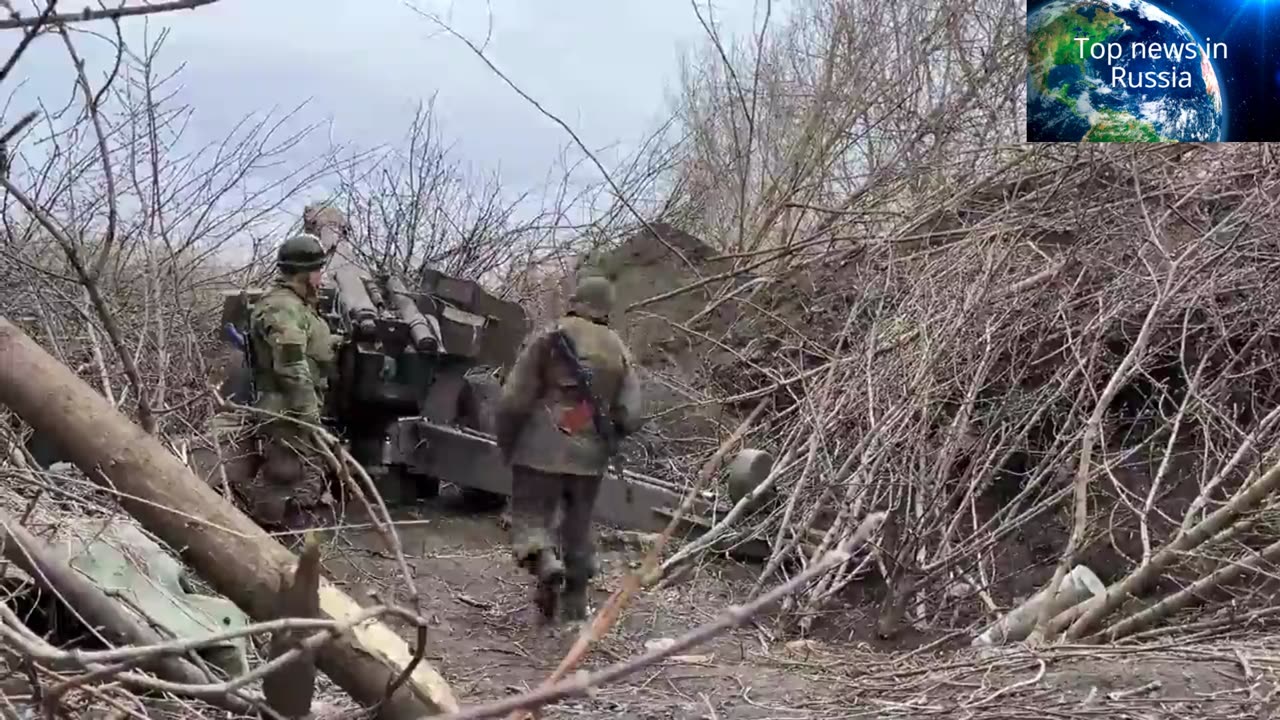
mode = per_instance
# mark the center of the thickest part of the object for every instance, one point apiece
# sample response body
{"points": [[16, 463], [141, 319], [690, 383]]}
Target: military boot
{"points": [[573, 601], [550, 573]]}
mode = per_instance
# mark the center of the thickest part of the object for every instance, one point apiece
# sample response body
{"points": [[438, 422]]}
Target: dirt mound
{"points": [[689, 312], [708, 332], [648, 266]]}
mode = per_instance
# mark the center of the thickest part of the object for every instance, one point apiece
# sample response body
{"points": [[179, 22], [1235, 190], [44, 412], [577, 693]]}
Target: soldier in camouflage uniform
{"points": [[293, 353], [557, 458]]}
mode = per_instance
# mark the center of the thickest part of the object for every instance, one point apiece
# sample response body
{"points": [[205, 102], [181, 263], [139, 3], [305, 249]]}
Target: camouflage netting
{"points": [[82, 522]]}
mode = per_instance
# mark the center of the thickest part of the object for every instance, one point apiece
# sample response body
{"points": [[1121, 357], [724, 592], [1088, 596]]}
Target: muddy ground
{"points": [[485, 637], [486, 641]]}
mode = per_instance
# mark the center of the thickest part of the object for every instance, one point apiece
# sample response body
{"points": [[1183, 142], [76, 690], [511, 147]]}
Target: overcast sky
{"points": [[605, 67]]}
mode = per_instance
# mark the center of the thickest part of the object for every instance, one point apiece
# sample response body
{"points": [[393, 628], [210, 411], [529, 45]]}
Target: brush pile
{"points": [[1084, 325]]}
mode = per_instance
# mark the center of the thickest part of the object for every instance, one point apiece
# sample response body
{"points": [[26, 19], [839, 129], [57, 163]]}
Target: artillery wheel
{"points": [[475, 411]]}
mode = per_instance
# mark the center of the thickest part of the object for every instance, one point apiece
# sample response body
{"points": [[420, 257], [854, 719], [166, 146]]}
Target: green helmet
{"points": [[300, 253], [593, 298]]}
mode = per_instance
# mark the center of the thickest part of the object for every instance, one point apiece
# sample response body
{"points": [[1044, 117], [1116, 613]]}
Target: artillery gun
{"points": [[409, 391], [416, 378], [414, 387]]}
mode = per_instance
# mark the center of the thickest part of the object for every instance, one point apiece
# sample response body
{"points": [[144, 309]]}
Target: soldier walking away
{"points": [[292, 354], [546, 426]]}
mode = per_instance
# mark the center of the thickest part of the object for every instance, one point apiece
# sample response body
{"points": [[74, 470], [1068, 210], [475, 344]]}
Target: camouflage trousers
{"points": [[538, 500], [292, 476]]}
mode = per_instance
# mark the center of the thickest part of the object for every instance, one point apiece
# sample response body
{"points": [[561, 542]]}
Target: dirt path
{"points": [[485, 639]]}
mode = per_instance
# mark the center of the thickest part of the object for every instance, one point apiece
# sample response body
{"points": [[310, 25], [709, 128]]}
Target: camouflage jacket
{"points": [[293, 353], [541, 423]]}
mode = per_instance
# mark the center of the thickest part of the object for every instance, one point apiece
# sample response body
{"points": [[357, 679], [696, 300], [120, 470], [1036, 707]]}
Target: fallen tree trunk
{"points": [[221, 543]]}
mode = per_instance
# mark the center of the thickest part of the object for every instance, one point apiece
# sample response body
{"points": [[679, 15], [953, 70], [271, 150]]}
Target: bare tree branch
{"points": [[88, 15]]}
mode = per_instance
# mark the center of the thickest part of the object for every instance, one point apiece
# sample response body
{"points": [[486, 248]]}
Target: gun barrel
{"points": [[424, 329], [355, 297]]}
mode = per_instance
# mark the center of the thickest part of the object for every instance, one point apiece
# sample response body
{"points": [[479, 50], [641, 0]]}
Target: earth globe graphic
{"points": [[1118, 71]]}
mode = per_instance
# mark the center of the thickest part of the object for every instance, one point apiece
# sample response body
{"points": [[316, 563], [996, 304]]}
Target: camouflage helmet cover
{"points": [[593, 298], [300, 253]]}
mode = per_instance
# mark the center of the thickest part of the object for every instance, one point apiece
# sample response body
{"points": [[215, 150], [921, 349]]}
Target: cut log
{"points": [[1077, 586], [236, 556]]}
